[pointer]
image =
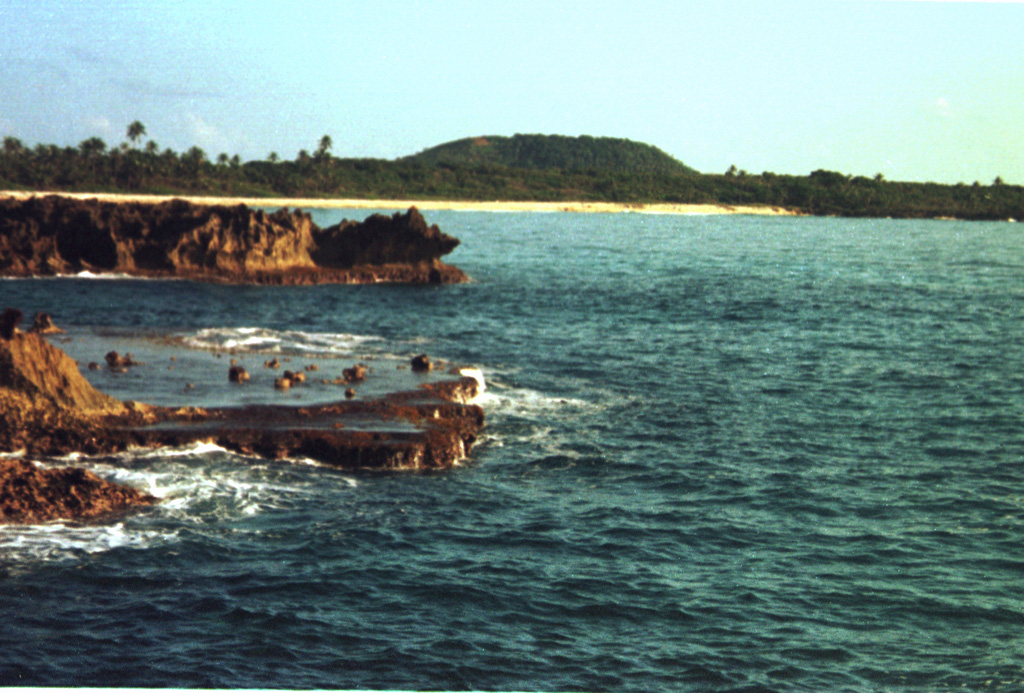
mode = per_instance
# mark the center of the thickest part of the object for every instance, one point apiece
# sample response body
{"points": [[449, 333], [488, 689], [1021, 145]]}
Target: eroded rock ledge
{"points": [[53, 235], [48, 408]]}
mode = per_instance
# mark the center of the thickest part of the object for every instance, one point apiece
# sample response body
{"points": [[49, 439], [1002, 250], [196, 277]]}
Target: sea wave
{"points": [[85, 274], [264, 340], [533, 422], [204, 482], [504, 400], [57, 541], [197, 485]]}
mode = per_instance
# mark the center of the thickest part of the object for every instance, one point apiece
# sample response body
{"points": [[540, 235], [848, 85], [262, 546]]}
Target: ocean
{"points": [[726, 453]]}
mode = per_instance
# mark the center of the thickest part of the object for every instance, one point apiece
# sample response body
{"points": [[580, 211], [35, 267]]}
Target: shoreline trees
{"points": [[93, 166]]}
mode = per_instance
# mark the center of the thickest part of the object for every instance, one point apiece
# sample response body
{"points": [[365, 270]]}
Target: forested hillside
{"points": [[540, 152], [521, 168]]}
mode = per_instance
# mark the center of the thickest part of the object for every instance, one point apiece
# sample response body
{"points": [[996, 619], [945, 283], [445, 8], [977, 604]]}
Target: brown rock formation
{"points": [[47, 407], [43, 324], [57, 235], [355, 374], [45, 403], [41, 376], [29, 494]]}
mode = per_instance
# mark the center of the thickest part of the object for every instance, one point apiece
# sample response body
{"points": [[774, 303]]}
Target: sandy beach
{"points": [[479, 206]]}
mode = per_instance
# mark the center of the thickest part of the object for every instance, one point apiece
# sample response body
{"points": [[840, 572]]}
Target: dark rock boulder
{"points": [[355, 374], [119, 361], [380, 240], [9, 321]]}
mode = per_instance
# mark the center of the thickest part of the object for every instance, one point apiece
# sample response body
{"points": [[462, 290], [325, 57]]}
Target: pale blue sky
{"points": [[912, 90]]}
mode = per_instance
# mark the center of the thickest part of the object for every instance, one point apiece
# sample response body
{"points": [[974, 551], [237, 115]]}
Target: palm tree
{"points": [[273, 157], [13, 146], [92, 150], [92, 147], [193, 160], [135, 131], [325, 144]]}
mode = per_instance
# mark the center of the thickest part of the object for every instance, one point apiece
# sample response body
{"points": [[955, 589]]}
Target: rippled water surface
{"points": [[723, 453]]}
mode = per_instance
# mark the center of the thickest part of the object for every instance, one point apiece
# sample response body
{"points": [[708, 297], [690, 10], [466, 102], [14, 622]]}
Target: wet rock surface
{"points": [[47, 407], [31, 494], [53, 235]]}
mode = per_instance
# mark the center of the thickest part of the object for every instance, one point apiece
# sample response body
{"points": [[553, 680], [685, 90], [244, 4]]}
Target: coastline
{"points": [[393, 204]]}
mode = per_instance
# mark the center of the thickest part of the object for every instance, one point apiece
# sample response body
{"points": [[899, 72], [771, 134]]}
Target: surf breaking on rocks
{"points": [[48, 408]]}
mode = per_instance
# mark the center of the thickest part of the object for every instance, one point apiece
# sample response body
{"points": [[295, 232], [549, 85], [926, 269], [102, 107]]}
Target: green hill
{"points": [[551, 152]]}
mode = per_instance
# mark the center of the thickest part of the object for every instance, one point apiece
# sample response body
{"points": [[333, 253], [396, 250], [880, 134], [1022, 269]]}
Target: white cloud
{"points": [[201, 130], [100, 125], [941, 107]]}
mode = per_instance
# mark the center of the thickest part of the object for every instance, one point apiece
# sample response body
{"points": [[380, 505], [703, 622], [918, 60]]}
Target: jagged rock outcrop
{"points": [[46, 403], [48, 408], [42, 324], [30, 494], [41, 376], [55, 235], [380, 240]]}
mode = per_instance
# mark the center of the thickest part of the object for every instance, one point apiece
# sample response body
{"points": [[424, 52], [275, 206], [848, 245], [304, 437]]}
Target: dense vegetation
{"points": [[519, 168], [540, 152]]}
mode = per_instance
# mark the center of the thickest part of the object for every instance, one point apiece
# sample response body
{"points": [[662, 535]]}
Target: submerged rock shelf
{"points": [[48, 408]]}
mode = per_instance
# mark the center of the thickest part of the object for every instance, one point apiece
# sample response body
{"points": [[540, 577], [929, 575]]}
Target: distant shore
{"points": [[466, 205]]}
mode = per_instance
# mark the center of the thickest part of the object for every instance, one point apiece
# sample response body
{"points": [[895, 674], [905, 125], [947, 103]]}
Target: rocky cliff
{"points": [[56, 235]]}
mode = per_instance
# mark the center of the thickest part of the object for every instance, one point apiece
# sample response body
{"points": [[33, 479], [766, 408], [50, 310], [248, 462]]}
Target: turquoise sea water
{"points": [[723, 453]]}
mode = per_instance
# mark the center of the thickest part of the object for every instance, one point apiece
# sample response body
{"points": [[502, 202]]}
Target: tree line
{"points": [[141, 166]]}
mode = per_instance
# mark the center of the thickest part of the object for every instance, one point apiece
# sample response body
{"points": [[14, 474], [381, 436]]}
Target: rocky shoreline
{"points": [[57, 235], [48, 408]]}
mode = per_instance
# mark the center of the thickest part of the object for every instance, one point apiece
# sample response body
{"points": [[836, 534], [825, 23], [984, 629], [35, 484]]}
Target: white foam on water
{"points": [[263, 340], [195, 490], [309, 462], [521, 418], [197, 485], [524, 402], [86, 274], [55, 541], [198, 448], [477, 375]]}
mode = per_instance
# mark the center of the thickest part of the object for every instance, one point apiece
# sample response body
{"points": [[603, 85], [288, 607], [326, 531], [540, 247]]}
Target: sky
{"points": [[916, 90]]}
